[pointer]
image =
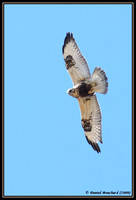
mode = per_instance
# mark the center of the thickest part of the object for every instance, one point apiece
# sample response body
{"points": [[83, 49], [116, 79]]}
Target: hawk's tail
{"points": [[99, 81]]}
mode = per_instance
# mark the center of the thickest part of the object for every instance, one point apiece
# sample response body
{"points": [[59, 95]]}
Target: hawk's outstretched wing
{"points": [[74, 60], [91, 120]]}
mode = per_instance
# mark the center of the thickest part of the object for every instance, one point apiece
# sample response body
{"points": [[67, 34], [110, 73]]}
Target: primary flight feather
{"points": [[84, 88]]}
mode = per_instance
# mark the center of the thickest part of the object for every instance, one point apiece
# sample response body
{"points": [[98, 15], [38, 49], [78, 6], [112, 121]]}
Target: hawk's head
{"points": [[73, 92]]}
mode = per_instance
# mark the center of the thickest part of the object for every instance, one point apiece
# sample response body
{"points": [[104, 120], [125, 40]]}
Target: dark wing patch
{"points": [[86, 124], [69, 61]]}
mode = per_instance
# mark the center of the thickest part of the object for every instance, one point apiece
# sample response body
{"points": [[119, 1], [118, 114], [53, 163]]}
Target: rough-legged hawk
{"points": [[84, 90]]}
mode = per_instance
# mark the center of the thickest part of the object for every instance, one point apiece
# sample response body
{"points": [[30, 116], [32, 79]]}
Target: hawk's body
{"points": [[84, 90]]}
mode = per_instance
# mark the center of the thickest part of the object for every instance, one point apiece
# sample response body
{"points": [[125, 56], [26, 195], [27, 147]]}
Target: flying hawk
{"points": [[84, 88]]}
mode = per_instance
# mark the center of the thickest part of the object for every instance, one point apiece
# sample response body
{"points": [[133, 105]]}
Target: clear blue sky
{"points": [[46, 152]]}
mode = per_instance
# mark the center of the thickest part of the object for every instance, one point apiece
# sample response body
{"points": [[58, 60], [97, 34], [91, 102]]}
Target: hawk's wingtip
{"points": [[94, 145], [67, 39]]}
